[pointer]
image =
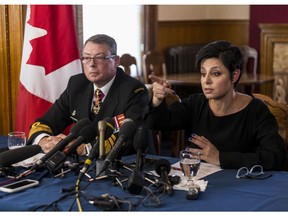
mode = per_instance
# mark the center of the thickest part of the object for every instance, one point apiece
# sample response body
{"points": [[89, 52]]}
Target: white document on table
{"points": [[204, 170]]}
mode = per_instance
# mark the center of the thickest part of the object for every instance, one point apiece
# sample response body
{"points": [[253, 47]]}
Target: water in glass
{"points": [[190, 164]]}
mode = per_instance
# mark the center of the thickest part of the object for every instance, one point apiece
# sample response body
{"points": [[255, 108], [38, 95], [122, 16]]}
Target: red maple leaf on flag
{"points": [[45, 50], [50, 57]]}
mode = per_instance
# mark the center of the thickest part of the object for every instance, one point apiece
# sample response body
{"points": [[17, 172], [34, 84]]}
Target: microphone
{"points": [[140, 144], [12, 156], [102, 202], [95, 149], [4, 149], [162, 168], [102, 128], [126, 132], [86, 135], [61, 145]]}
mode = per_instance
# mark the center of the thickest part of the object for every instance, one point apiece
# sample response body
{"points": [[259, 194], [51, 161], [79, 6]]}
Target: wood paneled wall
{"points": [[272, 34], [11, 39], [193, 32]]}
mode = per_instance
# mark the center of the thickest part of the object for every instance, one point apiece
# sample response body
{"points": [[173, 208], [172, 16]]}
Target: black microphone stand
{"points": [[77, 162], [116, 178], [58, 164]]}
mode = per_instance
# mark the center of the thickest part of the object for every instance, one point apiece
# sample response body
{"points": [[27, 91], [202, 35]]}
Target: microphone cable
{"points": [[151, 199], [77, 196], [108, 202], [53, 204]]}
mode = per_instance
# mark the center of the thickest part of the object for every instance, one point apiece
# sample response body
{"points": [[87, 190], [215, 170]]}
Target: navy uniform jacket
{"points": [[126, 96]]}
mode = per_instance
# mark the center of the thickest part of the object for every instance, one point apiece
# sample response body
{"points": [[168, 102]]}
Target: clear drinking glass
{"points": [[16, 139], [190, 164]]}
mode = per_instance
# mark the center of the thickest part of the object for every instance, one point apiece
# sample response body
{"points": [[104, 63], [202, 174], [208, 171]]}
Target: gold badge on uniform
{"points": [[138, 90]]}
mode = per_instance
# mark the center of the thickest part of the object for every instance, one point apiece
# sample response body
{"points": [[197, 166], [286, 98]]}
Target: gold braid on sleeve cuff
{"points": [[37, 126], [109, 143]]}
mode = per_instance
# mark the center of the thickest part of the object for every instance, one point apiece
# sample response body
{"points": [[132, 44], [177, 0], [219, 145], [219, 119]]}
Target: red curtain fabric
{"points": [[50, 56]]}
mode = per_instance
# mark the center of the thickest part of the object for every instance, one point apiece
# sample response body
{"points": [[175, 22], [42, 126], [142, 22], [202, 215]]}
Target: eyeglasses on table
{"points": [[256, 172]]}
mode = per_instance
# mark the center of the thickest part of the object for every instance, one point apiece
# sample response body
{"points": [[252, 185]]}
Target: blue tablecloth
{"points": [[3, 141], [224, 193]]}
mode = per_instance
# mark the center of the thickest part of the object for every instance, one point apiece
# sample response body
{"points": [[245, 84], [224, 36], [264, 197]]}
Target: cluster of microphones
{"points": [[106, 148]]}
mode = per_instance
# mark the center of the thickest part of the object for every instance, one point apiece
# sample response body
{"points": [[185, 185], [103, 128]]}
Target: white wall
{"points": [[202, 12]]}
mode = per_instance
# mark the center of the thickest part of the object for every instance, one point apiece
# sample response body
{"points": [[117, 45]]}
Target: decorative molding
{"points": [[274, 36]]}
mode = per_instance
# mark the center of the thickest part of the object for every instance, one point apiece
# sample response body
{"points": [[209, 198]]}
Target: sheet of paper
{"points": [[205, 170], [29, 161]]}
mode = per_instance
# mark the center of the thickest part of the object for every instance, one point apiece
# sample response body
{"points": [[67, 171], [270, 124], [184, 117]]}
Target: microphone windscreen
{"points": [[4, 149], [102, 126], [140, 140], [12, 156], [79, 125], [128, 128], [162, 164], [109, 134], [88, 133]]}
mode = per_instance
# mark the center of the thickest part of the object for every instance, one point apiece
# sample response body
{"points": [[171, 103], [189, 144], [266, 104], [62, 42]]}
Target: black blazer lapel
{"points": [[109, 105], [84, 106]]}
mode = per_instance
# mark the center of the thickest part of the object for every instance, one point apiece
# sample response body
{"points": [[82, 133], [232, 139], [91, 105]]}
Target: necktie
{"points": [[98, 101]]}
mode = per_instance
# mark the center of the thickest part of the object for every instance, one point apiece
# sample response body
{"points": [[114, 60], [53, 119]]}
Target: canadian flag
{"points": [[50, 57]]}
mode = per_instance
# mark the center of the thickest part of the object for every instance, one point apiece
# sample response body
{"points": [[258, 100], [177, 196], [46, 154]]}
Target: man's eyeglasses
{"points": [[256, 172], [97, 59]]}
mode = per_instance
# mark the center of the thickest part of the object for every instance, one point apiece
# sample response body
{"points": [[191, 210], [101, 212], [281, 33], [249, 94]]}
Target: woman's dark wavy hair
{"points": [[229, 54]]}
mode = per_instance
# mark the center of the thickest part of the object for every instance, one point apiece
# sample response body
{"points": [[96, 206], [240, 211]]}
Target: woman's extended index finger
{"points": [[154, 78]]}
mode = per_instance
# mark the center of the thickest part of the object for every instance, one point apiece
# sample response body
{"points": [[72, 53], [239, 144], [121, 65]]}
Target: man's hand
{"points": [[48, 142]]}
